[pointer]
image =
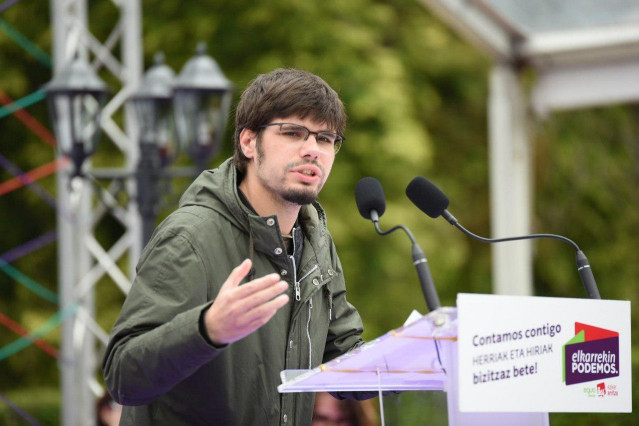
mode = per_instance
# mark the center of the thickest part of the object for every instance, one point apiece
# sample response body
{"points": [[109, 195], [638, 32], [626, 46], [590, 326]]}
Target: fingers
{"points": [[237, 274], [261, 314], [240, 310], [257, 285], [261, 297]]}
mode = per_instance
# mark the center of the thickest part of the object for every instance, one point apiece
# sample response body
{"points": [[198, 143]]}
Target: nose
{"points": [[310, 148]]}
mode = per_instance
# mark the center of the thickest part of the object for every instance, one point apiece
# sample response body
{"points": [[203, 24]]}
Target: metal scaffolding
{"points": [[82, 261]]}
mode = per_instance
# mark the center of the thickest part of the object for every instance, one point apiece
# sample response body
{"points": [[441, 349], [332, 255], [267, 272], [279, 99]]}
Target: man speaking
{"points": [[243, 280]]}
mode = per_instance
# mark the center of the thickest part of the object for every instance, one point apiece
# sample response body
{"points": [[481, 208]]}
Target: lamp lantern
{"points": [[153, 112], [202, 100], [75, 97]]}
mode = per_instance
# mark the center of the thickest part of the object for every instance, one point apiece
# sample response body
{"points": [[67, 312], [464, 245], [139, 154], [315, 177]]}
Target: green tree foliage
{"points": [[416, 96]]}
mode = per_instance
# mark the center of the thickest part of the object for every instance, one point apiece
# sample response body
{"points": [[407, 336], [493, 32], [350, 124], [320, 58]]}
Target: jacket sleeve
{"points": [[346, 328], [156, 341]]}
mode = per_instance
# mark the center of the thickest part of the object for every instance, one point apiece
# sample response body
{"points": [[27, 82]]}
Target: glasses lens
{"points": [[298, 133], [332, 139], [328, 137], [294, 131]]}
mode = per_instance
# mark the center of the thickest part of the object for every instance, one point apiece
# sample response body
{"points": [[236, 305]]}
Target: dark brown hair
{"points": [[285, 93]]}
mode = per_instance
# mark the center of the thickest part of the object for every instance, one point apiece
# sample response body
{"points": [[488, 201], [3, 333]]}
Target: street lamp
{"points": [[75, 99], [202, 100], [152, 105], [195, 105], [153, 112]]}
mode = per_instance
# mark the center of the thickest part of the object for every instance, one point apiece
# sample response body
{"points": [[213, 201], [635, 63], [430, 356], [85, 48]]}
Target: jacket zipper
{"points": [[309, 272], [308, 333], [310, 308], [308, 323], [298, 294], [298, 290], [298, 297]]}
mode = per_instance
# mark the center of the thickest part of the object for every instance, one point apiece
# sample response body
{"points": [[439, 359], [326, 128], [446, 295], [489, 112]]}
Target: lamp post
{"points": [[75, 98], [202, 100], [195, 106], [153, 112]]}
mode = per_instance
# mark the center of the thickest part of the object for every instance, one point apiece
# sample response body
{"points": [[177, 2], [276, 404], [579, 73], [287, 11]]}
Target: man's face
{"points": [[291, 170]]}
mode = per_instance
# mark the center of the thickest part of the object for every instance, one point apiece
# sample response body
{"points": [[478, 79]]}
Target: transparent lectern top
{"points": [[408, 358]]}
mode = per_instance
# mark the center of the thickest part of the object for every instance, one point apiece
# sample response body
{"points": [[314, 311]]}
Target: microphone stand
{"points": [[583, 264], [419, 260]]}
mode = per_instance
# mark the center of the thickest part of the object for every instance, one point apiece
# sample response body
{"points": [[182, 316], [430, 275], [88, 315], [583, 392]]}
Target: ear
{"points": [[248, 141]]}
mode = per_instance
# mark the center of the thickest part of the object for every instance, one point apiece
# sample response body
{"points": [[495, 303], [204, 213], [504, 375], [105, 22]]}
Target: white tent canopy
{"points": [[585, 53]]}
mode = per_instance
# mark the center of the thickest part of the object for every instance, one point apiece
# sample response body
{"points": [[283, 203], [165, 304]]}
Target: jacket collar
{"points": [[217, 189]]}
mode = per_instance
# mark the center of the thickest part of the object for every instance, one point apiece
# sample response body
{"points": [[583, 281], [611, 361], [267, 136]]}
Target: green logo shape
{"points": [[579, 338]]}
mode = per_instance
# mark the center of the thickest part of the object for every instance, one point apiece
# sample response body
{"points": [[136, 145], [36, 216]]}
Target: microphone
{"points": [[432, 201], [370, 199], [371, 203]]}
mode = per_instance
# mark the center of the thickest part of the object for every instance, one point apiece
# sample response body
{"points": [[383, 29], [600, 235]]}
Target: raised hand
{"points": [[240, 310]]}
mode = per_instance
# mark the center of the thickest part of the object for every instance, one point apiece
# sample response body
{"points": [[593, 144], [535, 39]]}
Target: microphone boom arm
{"points": [[420, 262], [583, 264]]}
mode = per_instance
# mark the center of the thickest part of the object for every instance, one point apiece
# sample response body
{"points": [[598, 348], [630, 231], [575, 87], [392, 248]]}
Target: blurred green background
{"points": [[416, 96]]}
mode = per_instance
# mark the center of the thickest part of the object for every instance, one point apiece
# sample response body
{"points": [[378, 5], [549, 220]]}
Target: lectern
{"points": [[521, 357], [419, 356]]}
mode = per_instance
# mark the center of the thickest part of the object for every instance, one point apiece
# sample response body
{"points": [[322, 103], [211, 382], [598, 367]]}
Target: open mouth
{"points": [[309, 172]]}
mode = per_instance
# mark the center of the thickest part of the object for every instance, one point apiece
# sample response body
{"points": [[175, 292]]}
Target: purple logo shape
{"points": [[591, 360]]}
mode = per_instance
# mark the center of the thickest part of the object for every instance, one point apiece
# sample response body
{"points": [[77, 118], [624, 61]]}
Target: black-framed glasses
{"points": [[327, 141]]}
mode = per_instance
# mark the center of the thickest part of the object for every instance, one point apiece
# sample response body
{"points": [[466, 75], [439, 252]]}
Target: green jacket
{"points": [[160, 366]]}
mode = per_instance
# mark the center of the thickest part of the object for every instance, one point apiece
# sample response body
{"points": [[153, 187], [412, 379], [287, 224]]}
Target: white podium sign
{"points": [[542, 354]]}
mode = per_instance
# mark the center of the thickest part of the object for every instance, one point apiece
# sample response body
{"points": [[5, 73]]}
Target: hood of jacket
{"points": [[217, 189]]}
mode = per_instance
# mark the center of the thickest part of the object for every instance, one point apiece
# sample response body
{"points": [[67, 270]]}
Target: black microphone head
{"points": [[369, 195], [427, 197]]}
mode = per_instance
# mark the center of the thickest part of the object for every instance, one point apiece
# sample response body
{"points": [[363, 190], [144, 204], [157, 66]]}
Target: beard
{"points": [[299, 196]]}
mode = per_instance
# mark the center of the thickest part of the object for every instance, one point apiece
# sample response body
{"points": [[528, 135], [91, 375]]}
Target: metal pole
{"points": [[78, 361], [73, 408], [510, 182], [133, 61], [149, 173]]}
